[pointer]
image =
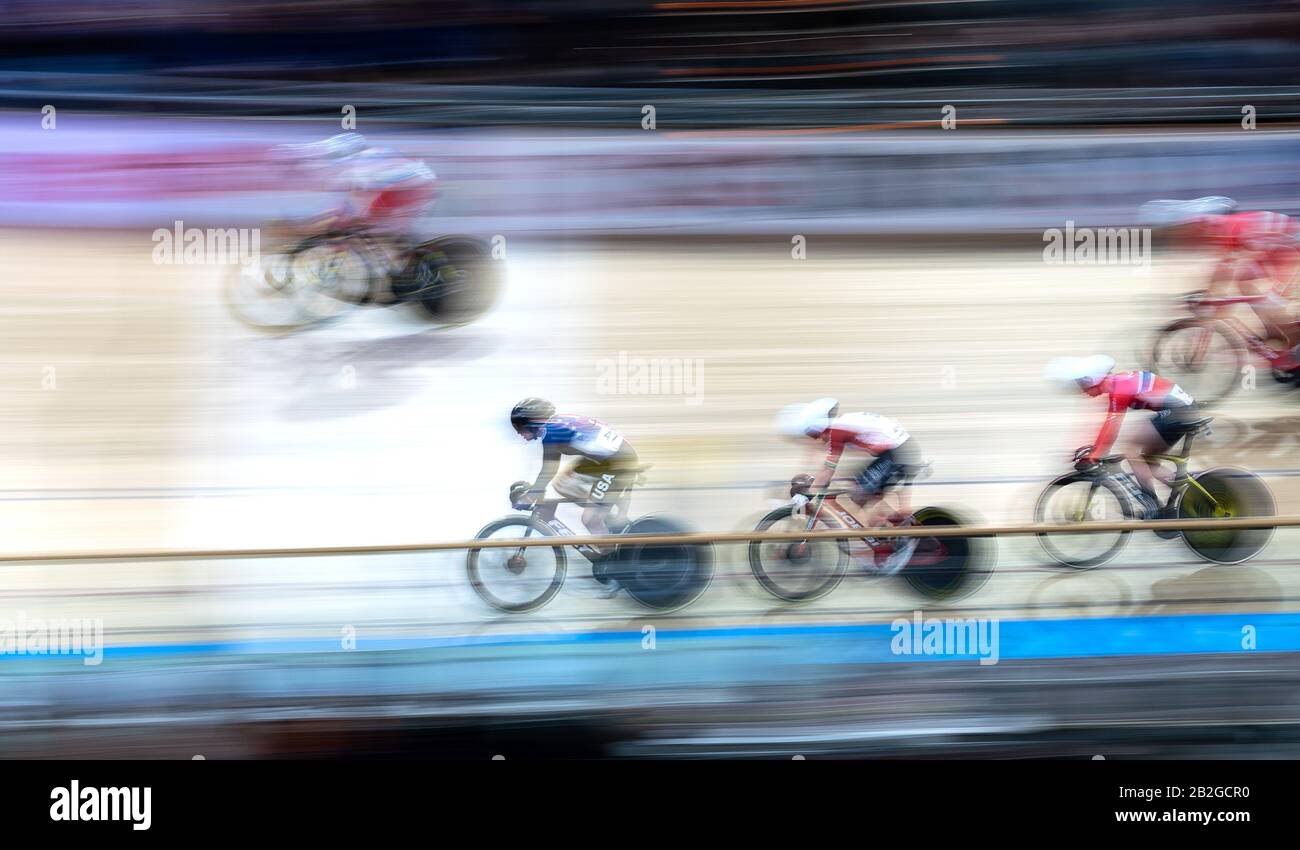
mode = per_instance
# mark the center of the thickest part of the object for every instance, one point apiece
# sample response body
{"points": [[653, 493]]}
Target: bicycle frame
{"points": [[828, 500], [1217, 309], [382, 255], [1181, 479], [545, 512]]}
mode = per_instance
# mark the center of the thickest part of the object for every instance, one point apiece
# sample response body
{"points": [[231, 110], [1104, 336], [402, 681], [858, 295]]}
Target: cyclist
{"points": [[583, 460], [1174, 411], [1250, 246], [897, 461], [384, 189]]}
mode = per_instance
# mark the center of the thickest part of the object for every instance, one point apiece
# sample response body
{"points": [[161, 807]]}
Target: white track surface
{"points": [[138, 412]]}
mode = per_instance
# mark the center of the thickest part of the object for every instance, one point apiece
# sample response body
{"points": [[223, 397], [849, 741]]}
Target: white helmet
{"points": [[1170, 212], [807, 420], [339, 146], [1087, 371]]}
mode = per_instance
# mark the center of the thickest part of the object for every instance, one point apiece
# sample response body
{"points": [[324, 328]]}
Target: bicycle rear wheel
{"points": [[947, 568], [796, 570], [454, 279], [1077, 499], [1228, 493], [662, 576], [516, 579]]}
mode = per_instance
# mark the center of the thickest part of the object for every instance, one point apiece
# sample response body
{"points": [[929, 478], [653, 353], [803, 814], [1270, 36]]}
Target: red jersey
{"points": [[1136, 390], [1249, 231], [1269, 239]]}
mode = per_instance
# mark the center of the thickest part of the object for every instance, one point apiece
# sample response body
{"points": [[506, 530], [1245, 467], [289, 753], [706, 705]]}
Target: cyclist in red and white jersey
{"points": [[1136, 390], [897, 461], [384, 189], [1251, 246]]}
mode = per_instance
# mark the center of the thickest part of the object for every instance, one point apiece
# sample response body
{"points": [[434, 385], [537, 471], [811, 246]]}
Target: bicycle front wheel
{"points": [[1226, 493], [796, 570], [1203, 357], [516, 579], [327, 278], [1082, 499]]}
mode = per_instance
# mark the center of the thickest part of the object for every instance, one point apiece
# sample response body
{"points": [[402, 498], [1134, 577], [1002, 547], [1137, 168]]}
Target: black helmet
{"points": [[531, 410]]}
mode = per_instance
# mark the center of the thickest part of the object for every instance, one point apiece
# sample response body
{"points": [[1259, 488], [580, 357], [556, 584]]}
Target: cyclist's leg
{"points": [[611, 487], [1165, 429], [1284, 264], [1153, 439], [908, 458], [872, 483], [1258, 279]]}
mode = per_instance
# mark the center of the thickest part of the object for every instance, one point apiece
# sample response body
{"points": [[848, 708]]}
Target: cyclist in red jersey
{"points": [[1251, 246], [1137, 390]]}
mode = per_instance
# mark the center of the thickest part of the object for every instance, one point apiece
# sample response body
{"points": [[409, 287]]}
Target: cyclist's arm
{"points": [[824, 475], [551, 456], [1225, 273], [1109, 429]]}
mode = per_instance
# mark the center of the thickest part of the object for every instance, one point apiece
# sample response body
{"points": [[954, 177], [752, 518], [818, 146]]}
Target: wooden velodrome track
{"points": [[139, 414]]}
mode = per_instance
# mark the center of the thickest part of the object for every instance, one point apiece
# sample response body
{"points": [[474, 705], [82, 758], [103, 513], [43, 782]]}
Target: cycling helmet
{"points": [[339, 146], [530, 411], [808, 420], [1167, 213], [1086, 371]]}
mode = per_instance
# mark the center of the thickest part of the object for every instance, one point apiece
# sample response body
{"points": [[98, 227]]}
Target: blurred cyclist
{"points": [[1174, 411], [1251, 246], [601, 466], [385, 190], [897, 461]]}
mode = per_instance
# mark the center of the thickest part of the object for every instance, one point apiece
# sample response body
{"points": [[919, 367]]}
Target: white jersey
{"points": [[867, 431], [582, 435], [376, 169]]}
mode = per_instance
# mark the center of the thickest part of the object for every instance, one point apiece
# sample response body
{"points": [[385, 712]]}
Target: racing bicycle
{"points": [[1206, 351], [661, 576], [452, 280], [1106, 493], [940, 568]]}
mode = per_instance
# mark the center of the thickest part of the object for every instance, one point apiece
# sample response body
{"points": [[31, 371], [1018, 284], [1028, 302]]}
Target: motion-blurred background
{"points": [[794, 199]]}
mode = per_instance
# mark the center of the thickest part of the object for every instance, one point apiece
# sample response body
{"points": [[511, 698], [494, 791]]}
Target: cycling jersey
{"points": [[1136, 391], [377, 169], [1248, 231], [1268, 240], [581, 435], [865, 431], [607, 466]]}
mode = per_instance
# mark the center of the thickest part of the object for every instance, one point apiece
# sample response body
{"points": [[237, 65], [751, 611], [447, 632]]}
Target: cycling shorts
{"points": [[594, 483], [898, 465], [1172, 425]]}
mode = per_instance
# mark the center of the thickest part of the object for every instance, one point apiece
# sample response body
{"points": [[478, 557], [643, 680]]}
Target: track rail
{"points": [[651, 539]]}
